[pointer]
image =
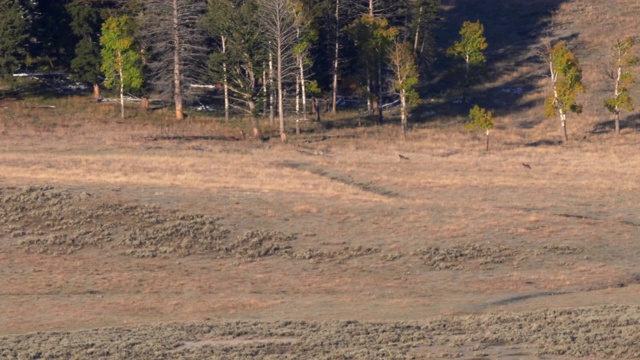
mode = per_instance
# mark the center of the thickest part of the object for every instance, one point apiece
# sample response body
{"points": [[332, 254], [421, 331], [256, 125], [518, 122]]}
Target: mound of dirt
{"points": [[596, 332]]}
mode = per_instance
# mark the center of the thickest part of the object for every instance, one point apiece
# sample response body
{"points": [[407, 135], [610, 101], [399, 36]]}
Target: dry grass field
{"points": [[149, 239], [116, 244]]}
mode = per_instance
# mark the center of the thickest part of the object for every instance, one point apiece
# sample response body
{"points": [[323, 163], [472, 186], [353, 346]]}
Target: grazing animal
{"points": [[526, 166], [403, 157]]}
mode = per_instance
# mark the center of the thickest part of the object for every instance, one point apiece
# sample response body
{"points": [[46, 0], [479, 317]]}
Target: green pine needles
{"points": [[13, 33]]}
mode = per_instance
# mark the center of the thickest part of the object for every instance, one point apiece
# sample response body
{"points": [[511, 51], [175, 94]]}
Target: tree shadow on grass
{"points": [[348, 119], [544, 142], [47, 88], [514, 31], [604, 127]]}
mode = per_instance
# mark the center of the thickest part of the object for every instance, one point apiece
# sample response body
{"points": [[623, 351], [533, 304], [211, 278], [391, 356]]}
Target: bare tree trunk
{"points": [[556, 101], [96, 91], [283, 135], [617, 93], [119, 55], [177, 91], [225, 84], [173, 46], [467, 69], [281, 28], [316, 106], [403, 113], [417, 34], [335, 59], [487, 148], [368, 91], [303, 89], [254, 122], [271, 110], [563, 120], [297, 95], [264, 90], [256, 130], [379, 90]]}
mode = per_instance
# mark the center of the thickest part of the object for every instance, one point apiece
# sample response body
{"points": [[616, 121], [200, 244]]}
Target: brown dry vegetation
{"points": [[102, 226], [150, 239]]}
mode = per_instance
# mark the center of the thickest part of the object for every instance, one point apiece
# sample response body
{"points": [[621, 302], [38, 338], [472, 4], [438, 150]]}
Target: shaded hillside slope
{"points": [[515, 80]]}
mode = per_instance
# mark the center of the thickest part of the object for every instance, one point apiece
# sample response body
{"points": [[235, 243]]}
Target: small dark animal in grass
{"points": [[402, 157], [526, 166]]}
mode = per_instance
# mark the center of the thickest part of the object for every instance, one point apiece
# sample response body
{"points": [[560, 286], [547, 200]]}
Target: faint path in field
{"points": [[633, 279], [518, 298], [578, 216], [341, 178]]}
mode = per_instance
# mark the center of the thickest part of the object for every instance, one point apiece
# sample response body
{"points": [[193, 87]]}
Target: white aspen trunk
{"points": [[554, 78], [177, 91], [380, 89], [225, 84], [335, 60], [264, 90], [297, 94], [467, 59], [487, 148], [403, 113], [119, 55], [271, 109], [563, 119], [368, 92], [370, 7], [303, 90], [617, 93], [557, 103], [279, 47], [417, 34], [299, 78]]}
